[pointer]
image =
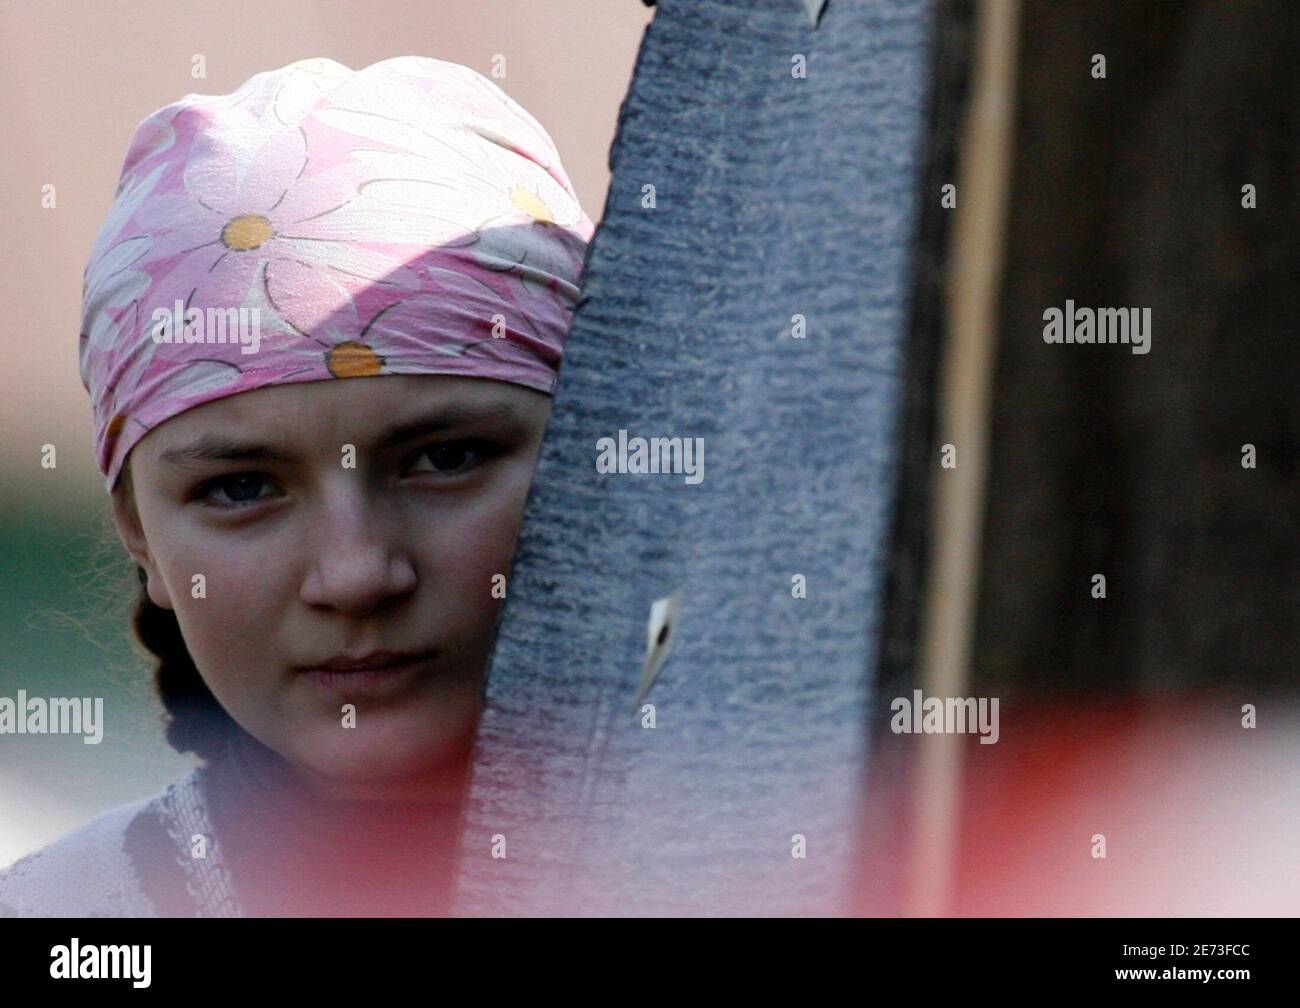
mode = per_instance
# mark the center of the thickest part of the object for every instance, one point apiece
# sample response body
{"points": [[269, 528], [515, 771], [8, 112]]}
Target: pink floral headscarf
{"points": [[321, 222]]}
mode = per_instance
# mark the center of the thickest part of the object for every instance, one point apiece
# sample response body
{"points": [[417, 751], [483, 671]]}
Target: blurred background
{"points": [[75, 80], [1161, 711]]}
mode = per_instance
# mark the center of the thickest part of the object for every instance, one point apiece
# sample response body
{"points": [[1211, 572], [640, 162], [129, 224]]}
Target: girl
{"points": [[321, 561]]}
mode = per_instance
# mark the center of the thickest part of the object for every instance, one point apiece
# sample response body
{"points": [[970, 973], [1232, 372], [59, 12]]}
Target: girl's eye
{"points": [[451, 458], [239, 488]]}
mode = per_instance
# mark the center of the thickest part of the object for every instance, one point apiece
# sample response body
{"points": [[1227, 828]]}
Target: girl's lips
{"points": [[348, 675], [375, 659]]}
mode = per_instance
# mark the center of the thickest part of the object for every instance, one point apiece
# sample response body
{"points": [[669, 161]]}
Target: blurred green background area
{"points": [[67, 592]]}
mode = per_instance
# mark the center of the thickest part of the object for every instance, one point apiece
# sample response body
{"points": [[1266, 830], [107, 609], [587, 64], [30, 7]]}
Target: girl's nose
{"points": [[358, 560]]}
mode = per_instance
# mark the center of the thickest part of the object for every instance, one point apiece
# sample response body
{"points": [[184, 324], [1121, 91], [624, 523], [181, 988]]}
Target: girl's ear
{"points": [[127, 521]]}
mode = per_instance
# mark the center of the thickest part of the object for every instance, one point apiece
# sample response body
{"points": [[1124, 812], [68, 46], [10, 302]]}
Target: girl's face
{"points": [[335, 519]]}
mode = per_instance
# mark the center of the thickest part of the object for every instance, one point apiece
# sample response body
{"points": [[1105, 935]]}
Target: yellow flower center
{"points": [[313, 64], [245, 232], [530, 203], [353, 360]]}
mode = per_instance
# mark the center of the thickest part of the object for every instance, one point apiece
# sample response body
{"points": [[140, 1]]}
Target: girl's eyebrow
{"points": [[222, 448]]}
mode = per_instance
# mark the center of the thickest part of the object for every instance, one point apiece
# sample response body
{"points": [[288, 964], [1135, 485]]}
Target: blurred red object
{"points": [[1200, 814]]}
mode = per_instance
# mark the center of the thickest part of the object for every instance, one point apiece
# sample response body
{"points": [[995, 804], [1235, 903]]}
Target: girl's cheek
{"points": [[496, 549], [217, 590], [483, 538], [219, 596]]}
